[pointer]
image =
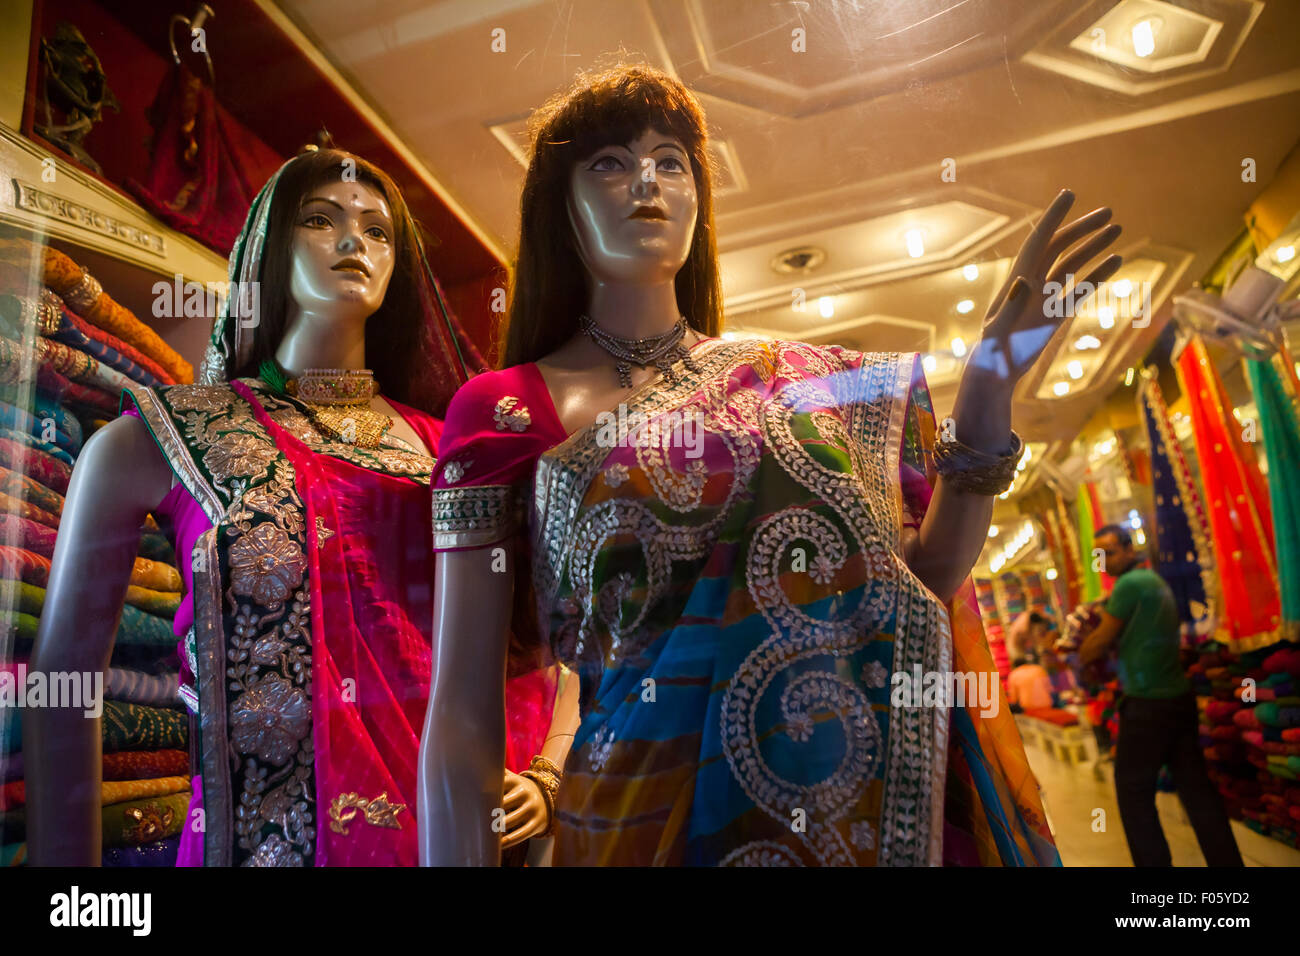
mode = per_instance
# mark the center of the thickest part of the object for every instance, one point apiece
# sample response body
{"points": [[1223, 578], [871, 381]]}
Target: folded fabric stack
{"points": [[1250, 732], [67, 350]]}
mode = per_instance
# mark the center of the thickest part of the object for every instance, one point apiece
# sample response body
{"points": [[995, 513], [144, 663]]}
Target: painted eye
{"points": [[378, 233], [672, 164], [607, 164], [317, 221]]}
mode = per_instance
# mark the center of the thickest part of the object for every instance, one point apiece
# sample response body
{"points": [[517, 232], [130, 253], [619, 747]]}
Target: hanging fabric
{"points": [[1182, 551], [1280, 432], [1087, 523], [1237, 498]]}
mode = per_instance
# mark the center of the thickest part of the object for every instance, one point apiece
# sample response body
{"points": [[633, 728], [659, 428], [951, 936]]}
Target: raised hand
{"points": [[1023, 319]]}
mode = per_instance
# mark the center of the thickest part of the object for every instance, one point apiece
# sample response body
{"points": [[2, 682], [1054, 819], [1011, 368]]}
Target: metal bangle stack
{"points": [[974, 471]]}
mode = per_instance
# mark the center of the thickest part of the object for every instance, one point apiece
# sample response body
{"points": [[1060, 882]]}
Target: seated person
{"points": [[1028, 686]]}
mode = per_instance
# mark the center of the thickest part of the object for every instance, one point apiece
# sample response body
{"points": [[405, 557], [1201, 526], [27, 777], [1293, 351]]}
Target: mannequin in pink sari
{"points": [[300, 487]]}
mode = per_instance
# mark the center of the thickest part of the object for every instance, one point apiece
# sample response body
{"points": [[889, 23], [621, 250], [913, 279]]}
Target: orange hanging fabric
{"points": [[1237, 498]]}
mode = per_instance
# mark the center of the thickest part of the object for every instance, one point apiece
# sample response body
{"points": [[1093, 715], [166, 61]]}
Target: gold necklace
{"points": [[337, 400]]}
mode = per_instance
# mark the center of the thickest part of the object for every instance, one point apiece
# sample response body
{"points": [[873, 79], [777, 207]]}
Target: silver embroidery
{"points": [[510, 414]]}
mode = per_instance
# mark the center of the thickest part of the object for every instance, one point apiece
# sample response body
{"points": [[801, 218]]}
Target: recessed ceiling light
{"points": [[1051, 574], [915, 240], [972, 271], [826, 305], [965, 305], [1122, 289], [1285, 254], [1106, 316], [1060, 388], [929, 363], [958, 347], [993, 531], [1144, 36], [1128, 376], [1075, 368]]}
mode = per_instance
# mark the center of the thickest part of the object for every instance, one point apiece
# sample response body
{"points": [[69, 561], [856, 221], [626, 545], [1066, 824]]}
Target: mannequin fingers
{"points": [[1067, 236], [522, 816], [1109, 266], [1078, 258], [1035, 245]]}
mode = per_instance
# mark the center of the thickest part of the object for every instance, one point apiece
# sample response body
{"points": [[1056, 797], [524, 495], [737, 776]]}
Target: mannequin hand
{"points": [[1025, 315], [525, 810]]}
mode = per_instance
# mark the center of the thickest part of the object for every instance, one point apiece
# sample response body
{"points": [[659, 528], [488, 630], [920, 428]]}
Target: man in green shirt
{"points": [[1157, 714]]}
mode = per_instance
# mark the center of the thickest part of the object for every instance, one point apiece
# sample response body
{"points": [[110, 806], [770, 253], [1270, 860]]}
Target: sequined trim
{"points": [[474, 517]]}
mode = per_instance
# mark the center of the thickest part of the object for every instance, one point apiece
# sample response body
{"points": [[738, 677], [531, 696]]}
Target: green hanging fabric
{"points": [[1280, 432], [1091, 579]]}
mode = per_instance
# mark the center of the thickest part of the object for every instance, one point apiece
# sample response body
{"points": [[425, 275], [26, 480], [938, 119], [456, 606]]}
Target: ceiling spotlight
{"points": [[1144, 37], [1128, 376], [965, 305], [1060, 388], [1051, 574], [993, 531], [929, 363], [1122, 289], [1106, 316], [1284, 254], [1075, 368], [972, 272], [1085, 342], [826, 305], [915, 240], [958, 347]]}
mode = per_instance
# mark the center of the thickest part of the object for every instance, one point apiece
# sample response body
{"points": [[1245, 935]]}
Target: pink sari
{"points": [[370, 574]]}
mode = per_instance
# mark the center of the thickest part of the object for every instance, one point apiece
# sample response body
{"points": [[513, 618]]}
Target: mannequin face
{"points": [[609, 187], [342, 250]]}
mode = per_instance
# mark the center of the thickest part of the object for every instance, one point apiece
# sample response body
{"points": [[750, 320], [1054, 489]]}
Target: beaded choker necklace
{"points": [[661, 351], [337, 400]]}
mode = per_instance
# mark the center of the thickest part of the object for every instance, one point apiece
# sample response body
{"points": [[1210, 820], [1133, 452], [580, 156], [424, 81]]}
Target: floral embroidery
{"points": [[149, 822], [323, 533], [510, 414], [275, 851], [268, 720], [240, 455], [615, 475], [266, 565], [454, 471], [379, 812]]}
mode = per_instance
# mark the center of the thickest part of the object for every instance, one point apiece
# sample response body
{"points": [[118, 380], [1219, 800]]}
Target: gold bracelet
{"points": [[547, 776]]}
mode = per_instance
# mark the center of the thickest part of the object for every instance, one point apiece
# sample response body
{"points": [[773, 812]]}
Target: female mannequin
{"points": [[735, 606], [309, 589]]}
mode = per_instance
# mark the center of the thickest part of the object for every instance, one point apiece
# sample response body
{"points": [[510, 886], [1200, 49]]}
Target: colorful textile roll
{"points": [[27, 535], [17, 485], [142, 764], [138, 727], [25, 509], [23, 421], [20, 596], [156, 547], [14, 794], [123, 357], [18, 564], [160, 853], [162, 603], [31, 441], [1238, 509], [51, 472], [140, 628], [136, 687], [155, 575], [84, 296], [1283, 661], [134, 822]]}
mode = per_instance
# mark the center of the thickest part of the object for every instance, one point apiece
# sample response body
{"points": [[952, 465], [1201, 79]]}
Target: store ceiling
{"points": [[843, 147]]}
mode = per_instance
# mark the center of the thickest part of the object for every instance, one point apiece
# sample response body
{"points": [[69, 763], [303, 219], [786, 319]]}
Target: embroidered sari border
{"points": [[474, 516], [175, 451]]}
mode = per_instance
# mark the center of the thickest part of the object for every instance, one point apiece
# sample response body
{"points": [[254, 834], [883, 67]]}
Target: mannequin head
{"points": [[330, 207], [628, 137]]}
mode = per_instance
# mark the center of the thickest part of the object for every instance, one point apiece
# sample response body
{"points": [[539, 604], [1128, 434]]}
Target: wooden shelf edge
{"points": [[79, 209]]}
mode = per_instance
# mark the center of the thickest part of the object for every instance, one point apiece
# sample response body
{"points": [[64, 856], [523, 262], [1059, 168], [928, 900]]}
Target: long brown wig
{"points": [[418, 352], [549, 282]]}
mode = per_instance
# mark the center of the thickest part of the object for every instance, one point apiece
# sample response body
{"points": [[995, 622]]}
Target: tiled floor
{"points": [[1073, 798]]}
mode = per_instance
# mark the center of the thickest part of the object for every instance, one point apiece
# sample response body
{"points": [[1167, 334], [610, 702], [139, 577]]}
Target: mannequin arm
{"points": [[462, 750], [119, 477], [525, 806]]}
